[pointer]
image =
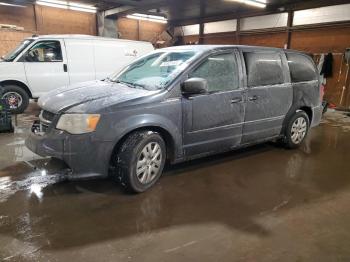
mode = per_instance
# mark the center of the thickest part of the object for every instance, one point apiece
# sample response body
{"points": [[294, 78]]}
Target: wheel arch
{"points": [[308, 111], [292, 111], [165, 134], [17, 83]]}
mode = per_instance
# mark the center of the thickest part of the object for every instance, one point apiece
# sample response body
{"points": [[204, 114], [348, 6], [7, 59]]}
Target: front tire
{"points": [[16, 97], [140, 160], [296, 130]]}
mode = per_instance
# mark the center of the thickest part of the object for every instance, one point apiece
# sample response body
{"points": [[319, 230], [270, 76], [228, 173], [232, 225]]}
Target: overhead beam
{"points": [[271, 9], [289, 28], [143, 6], [124, 2]]}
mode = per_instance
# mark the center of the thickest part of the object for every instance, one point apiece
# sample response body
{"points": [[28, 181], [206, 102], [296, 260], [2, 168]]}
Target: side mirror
{"points": [[194, 86]]}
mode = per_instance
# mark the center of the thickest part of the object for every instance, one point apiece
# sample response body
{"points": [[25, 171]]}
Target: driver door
{"points": [[213, 121], [45, 66]]}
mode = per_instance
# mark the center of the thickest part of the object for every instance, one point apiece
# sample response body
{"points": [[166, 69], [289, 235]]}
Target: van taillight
{"points": [[322, 88]]}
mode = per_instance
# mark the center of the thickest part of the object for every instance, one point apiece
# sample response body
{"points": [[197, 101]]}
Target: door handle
{"points": [[253, 98], [236, 100], [65, 68]]}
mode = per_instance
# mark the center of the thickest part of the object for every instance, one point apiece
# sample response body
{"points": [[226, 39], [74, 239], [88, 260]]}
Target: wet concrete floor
{"points": [[264, 203]]}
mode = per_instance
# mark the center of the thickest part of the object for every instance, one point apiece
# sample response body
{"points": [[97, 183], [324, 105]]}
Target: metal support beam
{"points": [[202, 10], [201, 34], [238, 31], [289, 28]]}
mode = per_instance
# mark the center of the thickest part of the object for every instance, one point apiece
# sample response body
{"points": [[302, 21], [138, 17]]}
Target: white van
{"points": [[43, 63]]}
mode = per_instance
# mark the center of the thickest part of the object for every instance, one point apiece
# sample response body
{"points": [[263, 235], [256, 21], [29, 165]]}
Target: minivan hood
{"points": [[65, 98]]}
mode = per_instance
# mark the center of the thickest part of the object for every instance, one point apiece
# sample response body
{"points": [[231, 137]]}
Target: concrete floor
{"points": [[259, 204]]}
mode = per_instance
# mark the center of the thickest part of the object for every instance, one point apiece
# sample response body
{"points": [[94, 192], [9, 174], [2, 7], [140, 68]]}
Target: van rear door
{"points": [[80, 60]]}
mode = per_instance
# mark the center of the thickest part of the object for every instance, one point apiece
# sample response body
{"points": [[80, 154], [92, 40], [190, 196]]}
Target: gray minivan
{"points": [[177, 104]]}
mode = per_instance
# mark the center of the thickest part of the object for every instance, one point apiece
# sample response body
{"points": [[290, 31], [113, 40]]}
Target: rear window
{"points": [[301, 68], [264, 68]]}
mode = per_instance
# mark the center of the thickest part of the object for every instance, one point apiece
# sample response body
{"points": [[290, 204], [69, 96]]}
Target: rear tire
{"points": [[140, 160], [296, 130], [17, 98]]}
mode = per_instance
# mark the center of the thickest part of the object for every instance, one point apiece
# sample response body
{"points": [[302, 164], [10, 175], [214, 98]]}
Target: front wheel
{"points": [[297, 129], [140, 160], [16, 98]]}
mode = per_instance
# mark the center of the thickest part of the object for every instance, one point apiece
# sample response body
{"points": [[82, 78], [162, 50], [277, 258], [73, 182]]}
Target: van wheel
{"points": [[16, 97], [297, 129], [140, 161]]}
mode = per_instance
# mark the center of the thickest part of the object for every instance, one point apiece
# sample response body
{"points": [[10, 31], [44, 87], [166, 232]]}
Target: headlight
{"points": [[78, 123]]}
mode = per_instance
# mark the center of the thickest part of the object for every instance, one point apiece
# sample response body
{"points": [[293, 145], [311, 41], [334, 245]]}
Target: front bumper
{"points": [[316, 115], [85, 155]]}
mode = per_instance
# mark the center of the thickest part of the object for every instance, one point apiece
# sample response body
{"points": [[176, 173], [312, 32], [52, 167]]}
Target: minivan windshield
{"points": [[155, 71], [14, 53]]}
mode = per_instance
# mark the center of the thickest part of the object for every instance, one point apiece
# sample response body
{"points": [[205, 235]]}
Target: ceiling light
{"points": [[13, 5], [51, 4], [82, 9], [151, 18], [67, 5], [255, 3]]}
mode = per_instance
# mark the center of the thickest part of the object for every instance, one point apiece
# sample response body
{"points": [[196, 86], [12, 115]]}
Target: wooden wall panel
{"points": [[334, 40], [150, 31], [60, 21], [127, 28], [23, 17], [142, 30], [220, 39], [266, 39], [10, 39], [191, 39]]}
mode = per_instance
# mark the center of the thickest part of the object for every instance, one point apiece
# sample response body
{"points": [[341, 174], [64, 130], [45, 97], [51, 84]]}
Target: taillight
{"points": [[322, 88]]}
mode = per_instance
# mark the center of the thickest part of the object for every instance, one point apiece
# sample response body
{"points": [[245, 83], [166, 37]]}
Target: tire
{"points": [[296, 132], [133, 163], [17, 98]]}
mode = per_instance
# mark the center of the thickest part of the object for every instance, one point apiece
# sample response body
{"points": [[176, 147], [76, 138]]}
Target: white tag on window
{"points": [[171, 63]]}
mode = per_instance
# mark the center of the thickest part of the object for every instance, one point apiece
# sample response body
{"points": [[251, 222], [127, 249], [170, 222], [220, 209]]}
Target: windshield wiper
{"points": [[132, 85]]}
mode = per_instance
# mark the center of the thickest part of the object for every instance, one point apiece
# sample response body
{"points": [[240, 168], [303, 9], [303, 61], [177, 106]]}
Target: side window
{"points": [[220, 71], [301, 68], [44, 51], [263, 69]]}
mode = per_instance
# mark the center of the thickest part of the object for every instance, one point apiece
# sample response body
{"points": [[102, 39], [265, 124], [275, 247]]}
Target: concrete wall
{"points": [[42, 20]]}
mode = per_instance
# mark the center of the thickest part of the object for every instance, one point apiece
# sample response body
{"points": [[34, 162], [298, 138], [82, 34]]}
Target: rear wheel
{"points": [[297, 129], [16, 98], [140, 161]]}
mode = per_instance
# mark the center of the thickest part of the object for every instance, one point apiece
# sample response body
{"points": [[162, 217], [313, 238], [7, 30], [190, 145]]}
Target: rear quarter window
{"points": [[263, 68], [301, 68]]}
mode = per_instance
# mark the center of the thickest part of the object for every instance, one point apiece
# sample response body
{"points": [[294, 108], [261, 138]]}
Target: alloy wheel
{"points": [[299, 129], [13, 99], [149, 163]]}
